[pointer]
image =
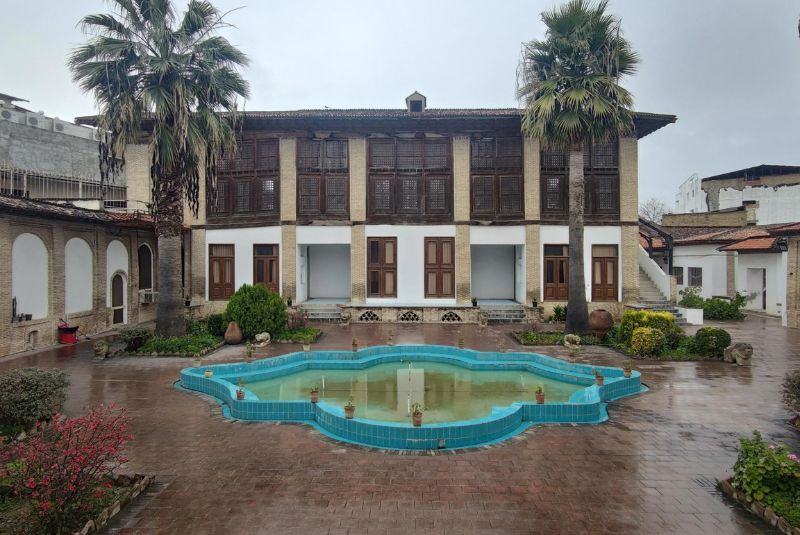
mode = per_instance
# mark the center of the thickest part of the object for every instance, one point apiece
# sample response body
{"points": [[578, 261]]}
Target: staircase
{"points": [[505, 313], [651, 298], [327, 312]]}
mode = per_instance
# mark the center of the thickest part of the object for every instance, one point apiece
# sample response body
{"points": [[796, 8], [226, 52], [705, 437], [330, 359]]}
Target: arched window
{"points": [[116, 262], [29, 275], [78, 276], [145, 267]]}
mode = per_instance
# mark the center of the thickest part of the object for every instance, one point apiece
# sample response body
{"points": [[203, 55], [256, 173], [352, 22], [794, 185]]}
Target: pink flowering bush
{"points": [[770, 475], [61, 466]]}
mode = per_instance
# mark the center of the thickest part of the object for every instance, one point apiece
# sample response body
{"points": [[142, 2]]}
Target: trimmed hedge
{"points": [[215, 324], [30, 395], [135, 337], [711, 342], [256, 310], [647, 341], [662, 321]]}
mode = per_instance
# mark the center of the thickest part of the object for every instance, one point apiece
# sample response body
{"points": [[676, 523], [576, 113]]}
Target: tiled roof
{"points": [[752, 244], [30, 207], [724, 235], [757, 171]]}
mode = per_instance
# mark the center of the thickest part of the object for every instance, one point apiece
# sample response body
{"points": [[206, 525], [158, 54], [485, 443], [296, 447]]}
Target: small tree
{"points": [[256, 309], [653, 210]]}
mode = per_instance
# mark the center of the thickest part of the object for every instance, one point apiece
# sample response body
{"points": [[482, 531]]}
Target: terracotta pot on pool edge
{"points": [[240, 395], [314, 396], [540, 398], [417, 419], [349, 412], [600, 321]]}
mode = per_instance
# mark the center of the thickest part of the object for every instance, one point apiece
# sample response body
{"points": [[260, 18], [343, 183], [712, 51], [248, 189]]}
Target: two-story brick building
{"points": [[408, 214]]}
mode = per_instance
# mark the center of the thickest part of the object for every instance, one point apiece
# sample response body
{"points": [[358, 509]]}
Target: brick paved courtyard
{"points": [[647, 470]]}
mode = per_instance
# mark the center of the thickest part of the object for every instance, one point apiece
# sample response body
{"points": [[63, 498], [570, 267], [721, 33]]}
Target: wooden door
{"points": [[382, 267], [266, 267], [439, 267], [556, 272], [118, 299], [221, 263], [604, 273]]}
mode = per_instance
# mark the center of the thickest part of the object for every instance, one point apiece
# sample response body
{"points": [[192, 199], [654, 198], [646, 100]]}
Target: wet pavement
{"points": [[650, 469]]}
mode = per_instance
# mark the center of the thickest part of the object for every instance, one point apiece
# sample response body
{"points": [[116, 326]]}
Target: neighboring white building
{"points": [[691, 198]]}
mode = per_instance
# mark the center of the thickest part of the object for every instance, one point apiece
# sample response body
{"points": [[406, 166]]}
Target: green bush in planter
{"points": [[711, 342], [135, 337], [29, 395], [722, 309], [663, 321], [215, 324], [256, 309], [647, 341]]}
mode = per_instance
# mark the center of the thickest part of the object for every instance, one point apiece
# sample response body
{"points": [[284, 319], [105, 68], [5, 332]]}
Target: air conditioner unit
{"points": [[147, 297]]}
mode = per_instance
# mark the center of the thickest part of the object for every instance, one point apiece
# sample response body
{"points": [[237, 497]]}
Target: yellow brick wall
{"points": [[463, 265], [628, 180], [793, 283], [461, 181], [289, 261], [358, 178], [630, 264], [531, 155], [288, 177], [137, 174], [358, 264], [533, 278]]}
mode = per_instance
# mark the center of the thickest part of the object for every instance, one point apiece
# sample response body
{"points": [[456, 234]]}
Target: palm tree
{"points": [[157, 77], [569, 83]]}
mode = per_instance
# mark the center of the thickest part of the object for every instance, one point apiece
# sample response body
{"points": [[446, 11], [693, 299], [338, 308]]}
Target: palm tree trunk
{"points": [[577, 309], [169, 224]]}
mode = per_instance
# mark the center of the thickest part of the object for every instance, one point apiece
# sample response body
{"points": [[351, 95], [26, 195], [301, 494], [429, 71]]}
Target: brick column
{"points": [[289, 261], [133, 279], [463, 265], [461, 179], [5, 287], [533, 276], [288, 180], [57, 290], [100, 281], [137, 176], [531, 156], [357, 147], [197, 284], [730, 265], [630, 264], [792, 282], [628, 180], [358, 264]]}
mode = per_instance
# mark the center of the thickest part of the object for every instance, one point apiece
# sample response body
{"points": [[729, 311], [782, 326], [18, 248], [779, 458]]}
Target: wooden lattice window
{"points": [[440, 267], [247, 180], [411, 178], [496, 168], [604, 272], [323, 178], [382, 267], [556, 272], [221, 262]]}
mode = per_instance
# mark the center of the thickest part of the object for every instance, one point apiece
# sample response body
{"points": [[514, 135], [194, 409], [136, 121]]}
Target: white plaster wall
{"points": [[592, 235], [329, 271], [497, 235], [691, 198], [775, 204], [323, 234], [302, 273], [410, 260], [707, 257], [493, 271], [78, 276], [116, 260], [776, 280], [243, 240], [29, 275], [519, 268]]}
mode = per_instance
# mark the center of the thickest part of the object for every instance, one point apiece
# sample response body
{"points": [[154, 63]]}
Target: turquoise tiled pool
{"points": [[472, 398]]}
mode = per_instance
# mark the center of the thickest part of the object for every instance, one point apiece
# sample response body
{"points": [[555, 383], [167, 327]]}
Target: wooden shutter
{"points": [[439, 267]]}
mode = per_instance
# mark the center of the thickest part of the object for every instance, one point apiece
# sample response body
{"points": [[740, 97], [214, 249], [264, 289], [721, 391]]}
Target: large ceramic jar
{"points": [[233, 334], [600, 321]]}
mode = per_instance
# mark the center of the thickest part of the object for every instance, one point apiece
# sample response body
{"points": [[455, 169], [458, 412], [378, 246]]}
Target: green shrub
{"points": [[722, 309], [647, 341], [663, 321], [134, 337], [300, 335], [29, 395], [791, 391], [535, 338], [769, 474], [257, 310], [690, 297], [215, 324], [559, 313], [190, 343], [711, 342]]}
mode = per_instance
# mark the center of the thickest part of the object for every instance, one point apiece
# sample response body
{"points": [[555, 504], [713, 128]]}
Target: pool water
{"points": [[385, 391]]}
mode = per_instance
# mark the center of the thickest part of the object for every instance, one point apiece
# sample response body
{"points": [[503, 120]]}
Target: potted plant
{"points": [[416, 413], [289, 302], [208, 373], [474, 301], [250, 350], [240, 390], [627, 368], [598, 377], [539, 395], [314, 394], [306, 347], [196, 360], [355, 344], [349, 409]]}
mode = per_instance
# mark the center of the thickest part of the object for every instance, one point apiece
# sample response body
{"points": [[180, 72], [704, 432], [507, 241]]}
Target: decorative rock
{"points": [[100, 349], [262, 339], [740, 353], [233, 334]]}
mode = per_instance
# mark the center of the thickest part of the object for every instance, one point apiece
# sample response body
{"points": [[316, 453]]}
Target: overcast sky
{"points": [[729, 69]]}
